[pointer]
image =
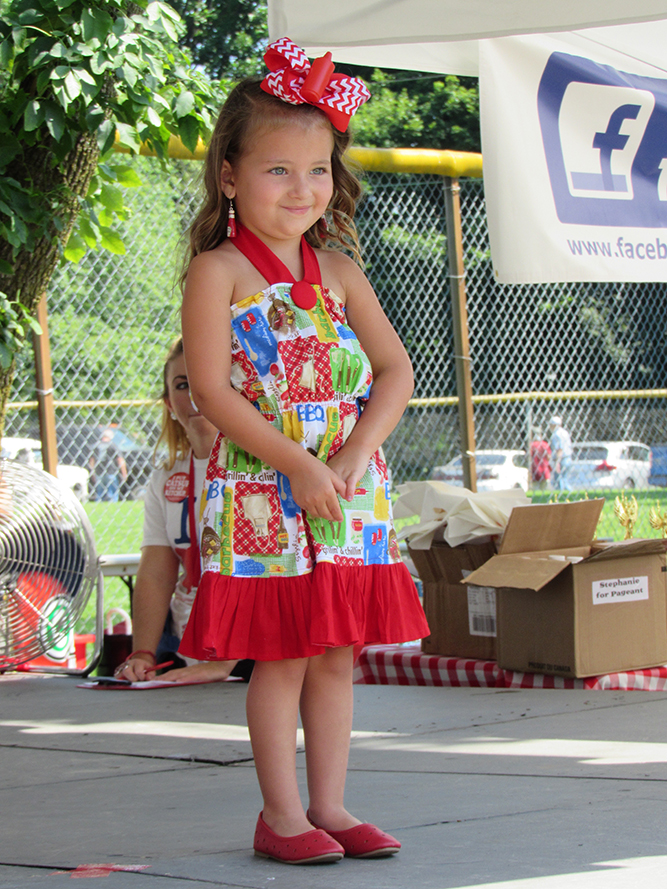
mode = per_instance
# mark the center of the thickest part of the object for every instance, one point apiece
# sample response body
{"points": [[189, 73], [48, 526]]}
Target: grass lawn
{"points": [[609, 526], [117, 528]]}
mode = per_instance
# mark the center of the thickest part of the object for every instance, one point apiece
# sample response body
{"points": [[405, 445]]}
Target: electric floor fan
{"points": [[48, 565]]}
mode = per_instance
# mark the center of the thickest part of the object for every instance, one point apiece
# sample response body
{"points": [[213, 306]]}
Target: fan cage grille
{"points": [[48, 564]]}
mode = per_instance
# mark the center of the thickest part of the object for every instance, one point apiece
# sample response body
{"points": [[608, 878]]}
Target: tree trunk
{"points": [[61, 186]]}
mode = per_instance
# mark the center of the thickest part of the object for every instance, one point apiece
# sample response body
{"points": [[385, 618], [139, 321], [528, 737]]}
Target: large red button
{"points": [[304, 295]]}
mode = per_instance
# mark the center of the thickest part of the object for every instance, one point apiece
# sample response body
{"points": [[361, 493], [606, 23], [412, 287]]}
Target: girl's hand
{"points": [[315, 488], [349, 464]]}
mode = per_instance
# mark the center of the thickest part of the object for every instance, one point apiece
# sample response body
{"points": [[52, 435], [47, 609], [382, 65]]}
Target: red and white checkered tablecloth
{"points": [[408, 665]]}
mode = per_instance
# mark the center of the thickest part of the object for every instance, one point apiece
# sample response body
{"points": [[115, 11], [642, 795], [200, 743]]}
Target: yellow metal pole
{"points": [[460, 324], [418, 160], [378, 160]]}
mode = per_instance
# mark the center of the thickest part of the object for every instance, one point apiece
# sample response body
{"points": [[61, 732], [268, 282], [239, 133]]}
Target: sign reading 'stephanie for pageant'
{"points": [[620, 589]]}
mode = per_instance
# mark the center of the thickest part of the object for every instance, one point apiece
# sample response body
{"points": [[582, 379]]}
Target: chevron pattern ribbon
{"points": [[294, 80]]}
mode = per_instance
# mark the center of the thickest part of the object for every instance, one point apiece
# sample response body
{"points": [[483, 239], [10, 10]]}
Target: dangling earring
{"points": [[323, 226], [231, 220]]}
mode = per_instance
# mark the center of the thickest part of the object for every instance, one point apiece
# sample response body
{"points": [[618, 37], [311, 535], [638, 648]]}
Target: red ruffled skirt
{"points": [[292, 617]]}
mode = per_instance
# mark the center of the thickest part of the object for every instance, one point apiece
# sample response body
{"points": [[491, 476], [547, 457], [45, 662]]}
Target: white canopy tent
{"points": [[443, 35]]}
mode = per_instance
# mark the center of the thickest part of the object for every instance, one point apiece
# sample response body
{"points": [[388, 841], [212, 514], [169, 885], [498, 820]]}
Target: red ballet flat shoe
{"points": [[364, 841], [313, 847]]}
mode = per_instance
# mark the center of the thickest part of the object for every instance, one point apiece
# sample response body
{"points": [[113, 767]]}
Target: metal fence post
{"points": [[452, 191], [44, 386]]}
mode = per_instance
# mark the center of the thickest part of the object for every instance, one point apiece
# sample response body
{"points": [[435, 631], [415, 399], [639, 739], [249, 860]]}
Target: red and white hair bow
{"points": [[293, 79]]}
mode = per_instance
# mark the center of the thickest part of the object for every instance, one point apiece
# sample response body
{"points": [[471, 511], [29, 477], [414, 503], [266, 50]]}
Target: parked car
{"points": [[610, 464], [78, 442], [496, 470], [29, 450], [658, 474]]}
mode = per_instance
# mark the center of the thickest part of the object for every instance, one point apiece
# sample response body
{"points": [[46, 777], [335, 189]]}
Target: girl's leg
{"points": [[272, 707], [326, 715]]}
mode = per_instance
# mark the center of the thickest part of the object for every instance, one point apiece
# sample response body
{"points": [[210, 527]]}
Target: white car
{"points": [[609, 464], [29, 451], [496, 471]]}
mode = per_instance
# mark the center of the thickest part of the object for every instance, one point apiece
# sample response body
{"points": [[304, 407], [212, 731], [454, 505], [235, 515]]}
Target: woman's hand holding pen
{"points": [[137, 669]]}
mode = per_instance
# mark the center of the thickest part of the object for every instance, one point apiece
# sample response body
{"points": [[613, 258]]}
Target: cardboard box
{"points": [[569, 607], [462, 619]]}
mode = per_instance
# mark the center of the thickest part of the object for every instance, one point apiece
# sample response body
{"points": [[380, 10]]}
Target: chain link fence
{"points": [[595, 354]]}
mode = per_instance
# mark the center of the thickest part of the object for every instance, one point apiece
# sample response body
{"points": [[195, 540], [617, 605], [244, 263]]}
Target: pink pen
{"points": [[160, 666]]}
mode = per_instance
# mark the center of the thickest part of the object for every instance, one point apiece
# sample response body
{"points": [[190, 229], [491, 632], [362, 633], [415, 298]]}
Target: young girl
{"points": [[282, 344]]}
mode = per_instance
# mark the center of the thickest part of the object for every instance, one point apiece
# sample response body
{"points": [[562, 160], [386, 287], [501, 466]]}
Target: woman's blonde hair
{"points": [[172, 434], [249, 107]]}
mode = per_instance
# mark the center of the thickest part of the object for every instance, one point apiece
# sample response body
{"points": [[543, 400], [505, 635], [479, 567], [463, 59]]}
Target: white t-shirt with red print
{"points": [[166, 523]]}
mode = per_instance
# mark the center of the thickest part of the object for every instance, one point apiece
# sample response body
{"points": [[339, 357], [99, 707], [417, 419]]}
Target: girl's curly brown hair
{"points": [[248, 107]]}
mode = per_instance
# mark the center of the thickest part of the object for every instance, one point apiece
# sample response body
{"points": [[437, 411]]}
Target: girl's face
{"points": [[283, 183], [178, 401]]}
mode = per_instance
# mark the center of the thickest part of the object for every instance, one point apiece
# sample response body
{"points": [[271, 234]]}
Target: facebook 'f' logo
{"points": [[605, 140], [613, 140]]}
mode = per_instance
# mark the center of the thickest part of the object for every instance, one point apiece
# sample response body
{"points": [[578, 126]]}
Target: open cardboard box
{"points": [[462, 619], [570, 607]]}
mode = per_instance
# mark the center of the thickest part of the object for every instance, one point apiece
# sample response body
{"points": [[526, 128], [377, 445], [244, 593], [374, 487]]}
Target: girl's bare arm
{"points": [[393, 381]]}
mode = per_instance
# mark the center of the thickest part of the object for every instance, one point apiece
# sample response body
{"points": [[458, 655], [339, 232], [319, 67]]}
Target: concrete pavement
{"points": [[519, 789]]}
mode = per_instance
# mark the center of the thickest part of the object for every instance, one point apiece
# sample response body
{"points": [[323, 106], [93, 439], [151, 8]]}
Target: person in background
{"points": [[26, 456], [561, 454], [540, 461], [169, 567], [107, 468]]}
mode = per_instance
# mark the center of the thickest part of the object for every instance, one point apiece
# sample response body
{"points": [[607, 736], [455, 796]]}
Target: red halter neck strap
{"points": [[275, 271]]}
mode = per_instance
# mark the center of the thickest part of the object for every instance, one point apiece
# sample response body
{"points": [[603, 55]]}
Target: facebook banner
{"points": [[575, 161]]}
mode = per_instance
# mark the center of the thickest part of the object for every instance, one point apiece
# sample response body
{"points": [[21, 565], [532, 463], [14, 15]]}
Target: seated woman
{"points": [[168, 571]]}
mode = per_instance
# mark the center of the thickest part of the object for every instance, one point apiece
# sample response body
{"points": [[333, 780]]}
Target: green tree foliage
{"points": [[226, 37], [77, 78], [15, 322], [412, 109]]}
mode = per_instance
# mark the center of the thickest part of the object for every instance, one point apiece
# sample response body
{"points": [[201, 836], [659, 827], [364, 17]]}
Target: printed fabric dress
{"points": [[278, 583]]}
